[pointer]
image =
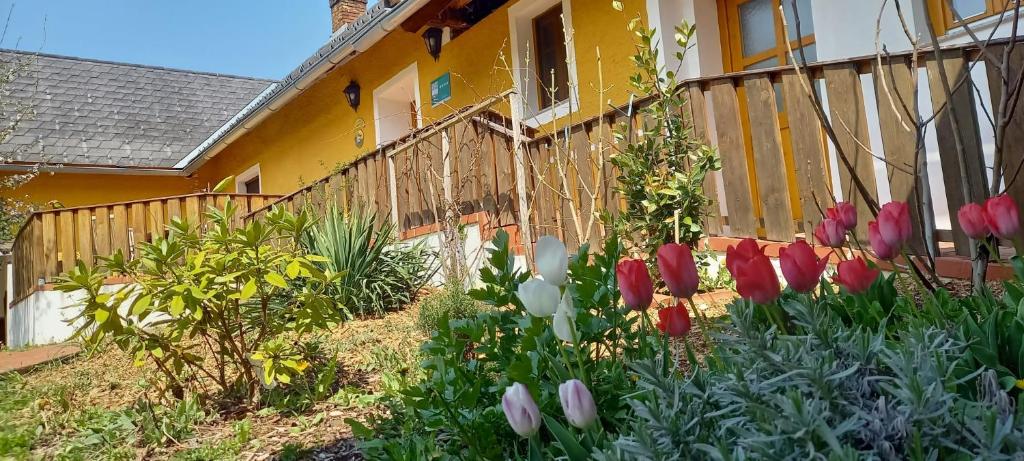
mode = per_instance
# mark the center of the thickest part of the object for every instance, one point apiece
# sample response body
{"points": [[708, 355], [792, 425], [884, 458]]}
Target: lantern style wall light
{"points": [[352, 94], [432, 37]]}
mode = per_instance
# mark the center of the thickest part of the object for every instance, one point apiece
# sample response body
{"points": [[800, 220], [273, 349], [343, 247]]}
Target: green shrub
{"points": [[451, 302], [829, 390], [382, 274], [455, 411], [228, 306]]}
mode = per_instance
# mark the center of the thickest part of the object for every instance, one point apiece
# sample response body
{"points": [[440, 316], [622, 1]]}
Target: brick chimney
{"points": [[345, 11]]}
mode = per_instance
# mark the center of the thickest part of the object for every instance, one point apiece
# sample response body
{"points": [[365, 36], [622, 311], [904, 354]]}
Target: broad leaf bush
{"points": [[383, 274], [226, 307]]}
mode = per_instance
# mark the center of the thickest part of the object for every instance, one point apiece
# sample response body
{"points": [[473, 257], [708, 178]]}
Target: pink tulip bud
{"points": [[678, 269], [881, 247], [801, 266], [845, 213], [740, 254], [577, 403], [855, 275], [894, 223], [972, 221], [756, 280], [831, 233], [635, 284], [1002, 217], [674, 321], [520, 410]]}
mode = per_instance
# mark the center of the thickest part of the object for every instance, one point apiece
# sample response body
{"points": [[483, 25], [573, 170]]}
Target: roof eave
{"points": [[378, 24]]}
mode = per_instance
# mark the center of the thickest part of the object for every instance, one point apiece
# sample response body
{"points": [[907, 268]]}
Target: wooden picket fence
{"points": [[51, 242], [479, 161], [461, 162]]}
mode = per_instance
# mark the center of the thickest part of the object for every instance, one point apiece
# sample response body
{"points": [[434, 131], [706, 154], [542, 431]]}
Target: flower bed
{"points": [[574, 363]]}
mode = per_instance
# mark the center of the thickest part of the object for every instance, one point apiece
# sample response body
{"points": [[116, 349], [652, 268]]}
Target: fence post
{"points": [[393, 191], [515, 102]]}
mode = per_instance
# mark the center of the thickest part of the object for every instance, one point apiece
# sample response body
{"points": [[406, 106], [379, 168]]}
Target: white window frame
{"points": [[396, 79], [520, 17], [246, 176]]}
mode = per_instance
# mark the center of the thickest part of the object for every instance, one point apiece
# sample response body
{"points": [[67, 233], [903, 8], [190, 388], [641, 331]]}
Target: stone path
{"points": [[22, 360]]}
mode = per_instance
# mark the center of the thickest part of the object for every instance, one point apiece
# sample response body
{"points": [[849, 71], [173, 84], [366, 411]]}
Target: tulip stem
{"points": [[703, 322], [579, 356], [910, 274]]}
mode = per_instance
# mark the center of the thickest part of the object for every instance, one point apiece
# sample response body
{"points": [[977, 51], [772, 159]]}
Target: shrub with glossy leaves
{"points": [[227, 306]]}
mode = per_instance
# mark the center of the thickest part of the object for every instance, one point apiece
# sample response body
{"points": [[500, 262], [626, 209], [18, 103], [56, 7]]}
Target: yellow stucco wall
{"points": [[71, 189], [315, 131]]}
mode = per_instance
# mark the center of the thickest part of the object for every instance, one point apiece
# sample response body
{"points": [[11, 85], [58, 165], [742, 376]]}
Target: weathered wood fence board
{"points": [[52, 242]]}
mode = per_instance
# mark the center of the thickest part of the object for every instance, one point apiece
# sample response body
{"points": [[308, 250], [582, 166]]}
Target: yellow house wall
{"points": [[73, 189], [314, 132]]}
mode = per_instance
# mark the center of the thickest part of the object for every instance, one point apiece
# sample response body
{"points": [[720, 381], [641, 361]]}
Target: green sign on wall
{"points": [[441, 89]]}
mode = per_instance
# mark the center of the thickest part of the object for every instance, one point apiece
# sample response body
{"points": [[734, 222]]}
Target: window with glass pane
{"points": [[757, 26], [552, 69], [964, 9], [252, 186], [803, 9]]}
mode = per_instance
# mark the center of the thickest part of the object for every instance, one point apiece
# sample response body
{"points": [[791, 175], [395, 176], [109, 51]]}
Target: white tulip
{"points": [[520, 410], [552, 260], [577, 403], [540, 298], [564, 322]]}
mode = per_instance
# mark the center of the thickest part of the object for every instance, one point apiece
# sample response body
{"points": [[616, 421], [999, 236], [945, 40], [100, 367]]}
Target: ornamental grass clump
{"points": [[384, 274]]}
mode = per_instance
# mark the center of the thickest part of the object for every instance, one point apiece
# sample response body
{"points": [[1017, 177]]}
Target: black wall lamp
{"points": [[352, 94], [432, 37]]}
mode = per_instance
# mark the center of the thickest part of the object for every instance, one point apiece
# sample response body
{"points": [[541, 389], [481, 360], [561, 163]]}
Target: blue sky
{"points": [[259, 38]]}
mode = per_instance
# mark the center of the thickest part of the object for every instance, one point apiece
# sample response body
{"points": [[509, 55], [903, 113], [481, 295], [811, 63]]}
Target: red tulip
{"points": [[745, 251], [881, 247], [845, 213], [801, 266], [894, 223], [972, 221], [635, 283], [675, 262], [756, 280], [1002, 217], [831, 233], [855, 275], [674, 321]]}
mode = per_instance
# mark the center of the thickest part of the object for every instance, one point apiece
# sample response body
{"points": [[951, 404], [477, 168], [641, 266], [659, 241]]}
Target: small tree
{"points": [[227, 307], [662, 170]]}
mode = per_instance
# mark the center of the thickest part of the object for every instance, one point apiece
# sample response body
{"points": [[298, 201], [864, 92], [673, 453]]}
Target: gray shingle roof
{"points": [[100, 113]]}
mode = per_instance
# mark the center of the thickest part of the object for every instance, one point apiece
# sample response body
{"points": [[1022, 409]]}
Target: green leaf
{"points": [[224, 185], [141, 304], [572, 447], [276, 280], [293, 269], [177, 306], [101, 315], [248, 290]]}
